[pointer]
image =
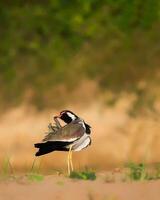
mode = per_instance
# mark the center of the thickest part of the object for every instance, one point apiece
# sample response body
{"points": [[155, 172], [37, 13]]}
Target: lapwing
{"points": [[73, 136]]}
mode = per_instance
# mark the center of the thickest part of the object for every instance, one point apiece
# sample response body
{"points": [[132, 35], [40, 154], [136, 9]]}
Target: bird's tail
{"points": [[50, 146]]}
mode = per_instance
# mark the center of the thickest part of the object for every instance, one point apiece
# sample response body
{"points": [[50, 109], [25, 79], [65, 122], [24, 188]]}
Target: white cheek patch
{"points": [[73, 117]]}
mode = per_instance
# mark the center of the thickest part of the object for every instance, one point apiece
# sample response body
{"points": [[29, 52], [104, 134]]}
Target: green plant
{"points": [[137, 171], [7, 168], [84, 175], [157, 170], [35, 177], [34, 174]]}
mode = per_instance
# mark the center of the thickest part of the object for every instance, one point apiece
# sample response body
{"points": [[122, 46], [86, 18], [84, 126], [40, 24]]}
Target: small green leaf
{"points": [[85, 175], [35, 177]]}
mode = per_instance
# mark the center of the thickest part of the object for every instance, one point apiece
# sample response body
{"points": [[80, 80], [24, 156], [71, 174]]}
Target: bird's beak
{"points": [[58, 116]]}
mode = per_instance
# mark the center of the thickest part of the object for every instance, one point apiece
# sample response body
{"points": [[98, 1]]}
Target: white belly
{"points": [[82, 143]]}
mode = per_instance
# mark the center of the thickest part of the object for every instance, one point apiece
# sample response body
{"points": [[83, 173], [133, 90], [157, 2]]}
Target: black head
{"points": [[67, 116]]}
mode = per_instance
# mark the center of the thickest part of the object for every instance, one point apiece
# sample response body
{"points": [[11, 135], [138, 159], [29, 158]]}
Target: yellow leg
{"points": [[71, 163], [68, 165]]}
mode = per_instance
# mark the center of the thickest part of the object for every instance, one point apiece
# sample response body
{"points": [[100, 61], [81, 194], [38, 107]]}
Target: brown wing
{"points": [[70, 132]]}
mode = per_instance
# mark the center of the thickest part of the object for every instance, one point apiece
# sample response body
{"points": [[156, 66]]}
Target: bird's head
{"points": [[67, 116]]}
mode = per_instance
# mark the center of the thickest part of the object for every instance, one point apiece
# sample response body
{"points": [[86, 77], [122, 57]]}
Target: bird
{"points": [[73, 136]]}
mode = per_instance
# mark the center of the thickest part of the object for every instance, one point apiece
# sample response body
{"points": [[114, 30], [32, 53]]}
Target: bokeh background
{"points": [[101, 59]]}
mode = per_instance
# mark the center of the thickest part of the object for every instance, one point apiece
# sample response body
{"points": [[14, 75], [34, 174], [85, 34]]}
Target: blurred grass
{"points": [[35, 177], [137, 171], [44, 46], [131, 171], [142, 172], [34, 173], [6, 169], [84, 175], [7, 172]]}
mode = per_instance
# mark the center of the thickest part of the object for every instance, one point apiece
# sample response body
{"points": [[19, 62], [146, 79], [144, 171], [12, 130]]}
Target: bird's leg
{"points": [[71, 163], [70, 157], [68, 163]]}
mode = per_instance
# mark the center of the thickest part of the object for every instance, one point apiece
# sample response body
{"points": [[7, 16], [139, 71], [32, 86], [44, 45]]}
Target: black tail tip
{"points": [[38, 154], [37, 145]]}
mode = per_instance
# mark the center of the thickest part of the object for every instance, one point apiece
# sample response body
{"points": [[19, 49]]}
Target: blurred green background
{"points": [[47, 47]]}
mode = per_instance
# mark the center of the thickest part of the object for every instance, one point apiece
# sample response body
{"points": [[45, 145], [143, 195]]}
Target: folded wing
{"points": [[69, 133]]}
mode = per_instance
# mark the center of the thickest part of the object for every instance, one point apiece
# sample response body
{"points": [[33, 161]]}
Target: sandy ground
{"points": [[60, 188]]}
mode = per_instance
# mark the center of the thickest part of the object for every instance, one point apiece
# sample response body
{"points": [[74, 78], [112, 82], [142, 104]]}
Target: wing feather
{"points": [[70, 132]]}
